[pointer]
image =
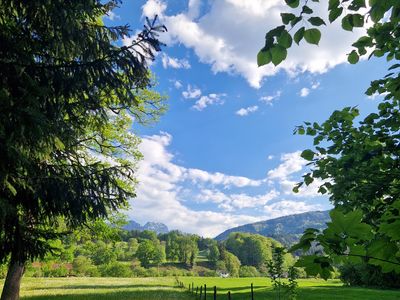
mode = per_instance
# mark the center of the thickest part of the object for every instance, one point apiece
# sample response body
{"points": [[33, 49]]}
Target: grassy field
{"points": [[163, 289], [309, 289]]}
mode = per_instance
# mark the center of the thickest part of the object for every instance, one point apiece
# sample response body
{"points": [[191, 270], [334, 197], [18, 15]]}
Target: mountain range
{"points": [[287, 229], [152, 226]]}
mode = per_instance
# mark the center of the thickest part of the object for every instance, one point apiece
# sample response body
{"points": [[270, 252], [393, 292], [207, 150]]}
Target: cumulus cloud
{"points": [[230, 202], [246, 111], [230, 33], [304, 92], [191, 92], [175, 63], [159, 193], [288, 207], [210, 99], [268, 99], [166, 192], [178, 84], [286, 175]]}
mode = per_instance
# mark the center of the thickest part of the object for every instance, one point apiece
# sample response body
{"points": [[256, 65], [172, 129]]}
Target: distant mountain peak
{"points": [[152, 226]]}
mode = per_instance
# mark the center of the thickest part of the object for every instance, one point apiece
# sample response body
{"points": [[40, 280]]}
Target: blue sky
{"points": [[224, 154]]}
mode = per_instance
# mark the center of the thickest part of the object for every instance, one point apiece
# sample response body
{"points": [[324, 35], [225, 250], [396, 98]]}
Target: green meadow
{"points": [[164, 288]]}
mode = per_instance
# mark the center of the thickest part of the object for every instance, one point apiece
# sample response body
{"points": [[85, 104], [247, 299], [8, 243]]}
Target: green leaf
{"points": [[306, 10], [295, 21], [316, 21], [357, 20], [293, 3], [312, 36], [308, 179], [357, 4], [348, 225], [347, 23], [377, 12], [308, 154], [278, 54], [285, 39], [287, 17], [299, 35], [263, 58], [335, 13], [333, 4], [353, 57], [316, 265], [59, 144], [10, 187]]}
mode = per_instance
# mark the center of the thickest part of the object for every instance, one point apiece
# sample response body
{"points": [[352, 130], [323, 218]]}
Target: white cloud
{"points": [[163, 192], [210, 99], [196, 175], [177, 84], [377, 95], [159, 192], [112, 16], [315, 85], [175, 63], [153, 7], [270, 157], [228, 202], [229, 35], [191, 92], [291, 163], [288, 207], [268, 99], [304, 92], [246, 111]]}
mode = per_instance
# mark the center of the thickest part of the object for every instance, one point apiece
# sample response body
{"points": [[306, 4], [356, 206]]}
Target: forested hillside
{"points": [[286, 230]]}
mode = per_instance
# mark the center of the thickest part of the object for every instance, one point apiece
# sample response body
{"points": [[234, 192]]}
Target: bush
{"points": [[248, 271], [82, 266], [139, 271], [115, 269]]}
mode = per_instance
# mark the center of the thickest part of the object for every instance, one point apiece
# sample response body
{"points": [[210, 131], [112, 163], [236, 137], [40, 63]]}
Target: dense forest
{"points": [[104, 249]]}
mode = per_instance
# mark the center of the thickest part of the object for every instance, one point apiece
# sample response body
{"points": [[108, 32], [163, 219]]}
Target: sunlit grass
{"points": [[309, 289], [163, 288]]}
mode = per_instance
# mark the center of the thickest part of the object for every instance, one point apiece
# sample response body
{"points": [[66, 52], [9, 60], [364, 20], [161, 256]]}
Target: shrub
{"points": [[248, 271], [82, 266], [115, 269]]}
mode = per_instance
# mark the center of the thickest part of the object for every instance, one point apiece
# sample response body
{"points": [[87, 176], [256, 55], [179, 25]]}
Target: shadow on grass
{"points": [[118, 295]]}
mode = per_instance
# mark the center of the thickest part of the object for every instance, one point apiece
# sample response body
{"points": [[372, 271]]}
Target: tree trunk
{"points": [[13, 281]]}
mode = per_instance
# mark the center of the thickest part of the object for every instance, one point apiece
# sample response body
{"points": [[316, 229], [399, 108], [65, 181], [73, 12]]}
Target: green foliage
{"points": [[276, 273], [382, 37], [357, 160], [232, 264], [213, 254], [248, 271], [251, 249], [82, 266], [368, 275], [115, 269], [150, 252]]}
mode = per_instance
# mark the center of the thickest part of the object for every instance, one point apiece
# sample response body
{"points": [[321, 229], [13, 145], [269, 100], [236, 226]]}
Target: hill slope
{"points": [[286, 230]]}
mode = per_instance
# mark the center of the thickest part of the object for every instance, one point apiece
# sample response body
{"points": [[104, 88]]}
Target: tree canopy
{"points": [[358, 160], [69, 94]]}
